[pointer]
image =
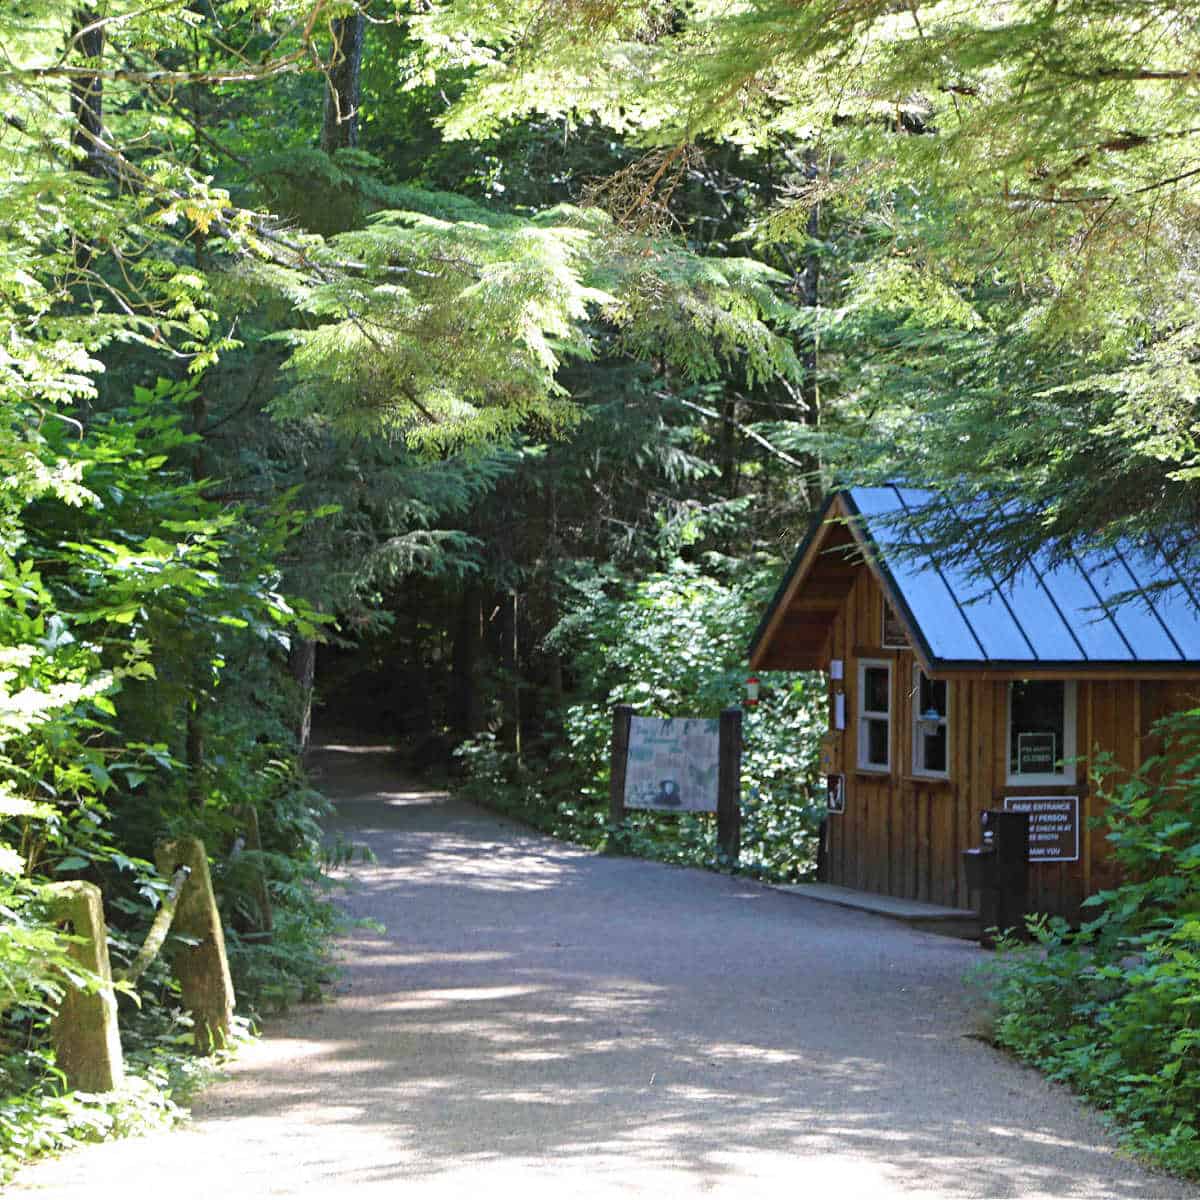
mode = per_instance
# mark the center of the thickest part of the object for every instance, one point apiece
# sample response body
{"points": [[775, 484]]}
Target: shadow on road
{"points": [[536, 1008]]}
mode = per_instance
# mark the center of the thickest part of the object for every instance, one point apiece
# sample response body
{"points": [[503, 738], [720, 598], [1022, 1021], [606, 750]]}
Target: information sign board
{"points": [[672, 764], [1053, 826]]}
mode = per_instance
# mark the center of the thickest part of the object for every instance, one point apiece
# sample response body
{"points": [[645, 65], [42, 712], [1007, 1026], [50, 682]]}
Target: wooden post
{"points": [[203, 969], [84, 1033], [729, 784], [622, 718]]}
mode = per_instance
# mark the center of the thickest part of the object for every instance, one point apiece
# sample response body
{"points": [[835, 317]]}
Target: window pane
{"points": [[934, 747], [877, 743], [1037, 727], [933, 696], [875, 690]]}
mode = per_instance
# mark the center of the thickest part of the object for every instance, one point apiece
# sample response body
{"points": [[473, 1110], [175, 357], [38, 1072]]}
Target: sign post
{"points": [[622, 720], [729, 784]]}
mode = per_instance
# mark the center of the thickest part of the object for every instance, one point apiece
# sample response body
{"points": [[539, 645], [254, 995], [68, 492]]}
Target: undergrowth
{"points": [[672, 645], [40, 1114], [1113, 1009]]}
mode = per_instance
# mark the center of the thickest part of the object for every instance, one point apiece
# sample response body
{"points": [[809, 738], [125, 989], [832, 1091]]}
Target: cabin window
{"points": [[1041, 731], [874, 715], [931, 726]]}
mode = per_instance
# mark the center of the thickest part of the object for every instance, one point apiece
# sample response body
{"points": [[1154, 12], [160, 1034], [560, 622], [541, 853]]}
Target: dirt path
{"points": [[541, 1021]]}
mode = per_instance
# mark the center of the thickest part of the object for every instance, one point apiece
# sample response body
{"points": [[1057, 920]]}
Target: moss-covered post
{"points": [[203, 969], [84, 1033]]}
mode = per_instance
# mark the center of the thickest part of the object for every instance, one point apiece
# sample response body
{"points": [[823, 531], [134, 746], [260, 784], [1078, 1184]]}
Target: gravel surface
{"points": [[541, 1021]]}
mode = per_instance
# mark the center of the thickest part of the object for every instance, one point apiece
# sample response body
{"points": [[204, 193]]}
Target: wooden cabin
{"points": [[951, 693]]}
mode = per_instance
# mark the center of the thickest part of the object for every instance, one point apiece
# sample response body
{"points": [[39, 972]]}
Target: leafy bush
{"points": [[1113, 1009], [673, 644], [142, 641]]}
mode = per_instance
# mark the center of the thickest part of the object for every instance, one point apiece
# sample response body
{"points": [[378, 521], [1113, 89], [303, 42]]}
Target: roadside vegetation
{"points": [[1111, 1008], [671, 645]]}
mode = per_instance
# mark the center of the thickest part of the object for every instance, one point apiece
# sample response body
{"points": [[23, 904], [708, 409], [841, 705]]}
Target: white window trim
{"points": [[865, 714], [1067, 778], [917, 768]]}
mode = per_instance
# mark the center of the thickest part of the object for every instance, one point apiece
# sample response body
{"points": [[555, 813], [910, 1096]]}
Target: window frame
{"points": [[865, 715], [918, 767], [1070, 739]]}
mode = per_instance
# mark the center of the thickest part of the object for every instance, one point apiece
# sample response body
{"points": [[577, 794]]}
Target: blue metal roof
{"points": [[1066, 614]]}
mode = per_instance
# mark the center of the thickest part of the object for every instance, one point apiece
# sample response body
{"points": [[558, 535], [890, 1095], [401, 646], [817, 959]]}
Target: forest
{"points": [[443, 372]]}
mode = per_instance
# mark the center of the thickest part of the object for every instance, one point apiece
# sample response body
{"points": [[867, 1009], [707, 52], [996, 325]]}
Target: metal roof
{"points": [[1117, 608]]}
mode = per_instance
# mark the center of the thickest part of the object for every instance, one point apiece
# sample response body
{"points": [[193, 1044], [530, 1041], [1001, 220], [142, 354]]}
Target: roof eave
{"points": [[998, 669], [793, 577]]}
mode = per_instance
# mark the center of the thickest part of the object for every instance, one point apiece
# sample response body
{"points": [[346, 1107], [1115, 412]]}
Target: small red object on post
{"points": [[751, 691]]}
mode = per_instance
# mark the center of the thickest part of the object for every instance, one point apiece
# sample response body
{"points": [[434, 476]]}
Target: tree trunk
{"points": [[510, 663], [729, 445], [809, 286], [302, 663], [87, 91], [194, 751], [343, 85]]}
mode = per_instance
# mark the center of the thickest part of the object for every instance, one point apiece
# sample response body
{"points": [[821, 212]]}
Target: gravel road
{"points": [[541, 1021]]}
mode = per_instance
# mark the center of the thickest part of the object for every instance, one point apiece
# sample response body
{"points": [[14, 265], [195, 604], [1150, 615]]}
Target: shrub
{"points": [[1113, 1009]]}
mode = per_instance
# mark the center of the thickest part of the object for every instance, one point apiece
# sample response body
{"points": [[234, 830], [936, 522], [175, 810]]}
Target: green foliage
{"points": [[1063, 133], [149, 606], [993, 205], [165, 546], [671, 645], [452, 330], [1112, 1009], [39, 1115], [965, 261]]}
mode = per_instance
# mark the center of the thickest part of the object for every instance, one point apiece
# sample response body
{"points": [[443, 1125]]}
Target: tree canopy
{"points": [[1024, 176]]}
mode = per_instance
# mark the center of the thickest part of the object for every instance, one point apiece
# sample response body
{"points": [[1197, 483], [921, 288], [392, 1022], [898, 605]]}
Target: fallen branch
{"points": [[158, 930]]}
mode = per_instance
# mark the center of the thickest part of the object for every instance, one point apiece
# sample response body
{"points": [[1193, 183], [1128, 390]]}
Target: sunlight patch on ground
{"points": [[745, 1053], [1036, 1135], [416, 1001], [401, 959], [391, 799], [489, 868], [618, 999]]}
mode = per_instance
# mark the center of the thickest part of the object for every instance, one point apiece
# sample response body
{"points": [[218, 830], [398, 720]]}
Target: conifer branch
{"points": [[753, 435], [248, 74]]}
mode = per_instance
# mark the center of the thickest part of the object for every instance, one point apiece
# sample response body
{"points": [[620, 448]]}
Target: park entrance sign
{"points": [[1053, 826], [672, 764]]}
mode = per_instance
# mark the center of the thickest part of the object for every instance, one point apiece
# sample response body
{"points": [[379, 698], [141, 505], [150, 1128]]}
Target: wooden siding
{"points": [[902, 834]]}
